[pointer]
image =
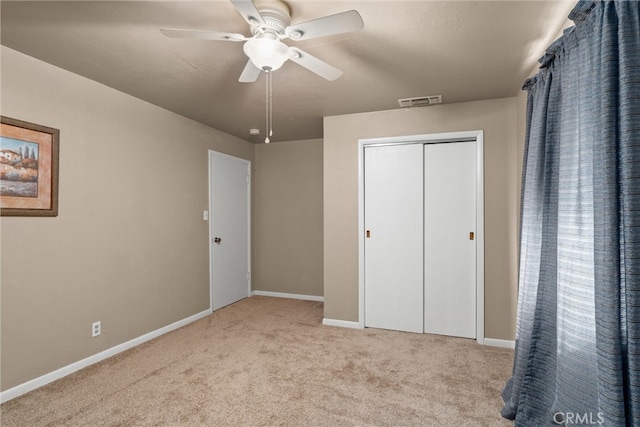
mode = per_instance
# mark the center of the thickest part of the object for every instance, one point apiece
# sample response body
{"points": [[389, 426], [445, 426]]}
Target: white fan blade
{"points": [[314, 64], [250, 73], [249, 12], [203, 35], [344, 22]]}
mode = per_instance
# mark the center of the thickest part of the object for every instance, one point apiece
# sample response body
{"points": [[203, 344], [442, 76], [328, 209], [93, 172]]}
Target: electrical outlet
{"points": [[95, 329]]}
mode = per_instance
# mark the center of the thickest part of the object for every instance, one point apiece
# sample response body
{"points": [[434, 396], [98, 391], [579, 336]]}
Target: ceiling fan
{"points": [[270, 23]]}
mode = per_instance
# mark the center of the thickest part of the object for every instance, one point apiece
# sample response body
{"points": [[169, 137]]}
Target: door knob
{"points": [[217, 240]]}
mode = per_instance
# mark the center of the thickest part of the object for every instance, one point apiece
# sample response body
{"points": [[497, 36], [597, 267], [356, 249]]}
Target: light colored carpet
{"points": [[269, 361]]}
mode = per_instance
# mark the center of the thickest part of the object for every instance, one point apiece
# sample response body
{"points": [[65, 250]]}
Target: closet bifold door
{"points": [[449, 239], [393, 194]]}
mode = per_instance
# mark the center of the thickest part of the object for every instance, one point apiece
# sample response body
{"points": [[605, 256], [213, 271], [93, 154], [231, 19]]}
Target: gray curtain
{"points": [[577, 357]]}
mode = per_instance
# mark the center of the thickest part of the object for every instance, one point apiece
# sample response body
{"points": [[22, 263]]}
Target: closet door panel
{"points": [[449, 246], [394, 246]]}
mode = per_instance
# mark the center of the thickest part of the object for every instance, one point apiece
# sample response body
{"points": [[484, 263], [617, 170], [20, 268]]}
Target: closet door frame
{"points": [[478, 137]]}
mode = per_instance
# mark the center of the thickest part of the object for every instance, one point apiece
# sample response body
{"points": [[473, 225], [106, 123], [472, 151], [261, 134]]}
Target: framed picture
{"points": [[28, 169]]}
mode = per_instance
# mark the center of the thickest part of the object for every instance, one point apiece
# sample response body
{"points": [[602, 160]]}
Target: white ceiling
{"points": [[462, 50]]}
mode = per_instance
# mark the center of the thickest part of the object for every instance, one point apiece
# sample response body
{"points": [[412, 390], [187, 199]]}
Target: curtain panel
{"points": [[577, 355]]}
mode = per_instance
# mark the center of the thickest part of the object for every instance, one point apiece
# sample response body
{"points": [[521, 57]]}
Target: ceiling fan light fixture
{"points": [[266, 53]]}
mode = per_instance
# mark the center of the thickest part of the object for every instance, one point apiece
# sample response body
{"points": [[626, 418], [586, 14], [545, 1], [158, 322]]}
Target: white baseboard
{"points": [[342, 323], [285, 295], [69, 369], [499, 343]]}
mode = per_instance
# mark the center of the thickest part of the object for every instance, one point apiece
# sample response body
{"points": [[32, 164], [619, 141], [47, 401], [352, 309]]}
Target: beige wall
{"points": [[341, 134], [129, 247], [287, 225]]}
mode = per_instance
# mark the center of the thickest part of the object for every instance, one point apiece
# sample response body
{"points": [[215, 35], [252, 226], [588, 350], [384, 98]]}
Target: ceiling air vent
{"points": [[420, 101]]}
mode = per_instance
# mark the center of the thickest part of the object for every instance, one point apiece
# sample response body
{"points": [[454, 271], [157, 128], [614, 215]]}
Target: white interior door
{"points": [[449, 248], [229, 229], [393, 247]]}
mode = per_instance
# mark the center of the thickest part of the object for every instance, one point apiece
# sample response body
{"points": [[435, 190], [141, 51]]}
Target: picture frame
{"points": [[29, 160]]}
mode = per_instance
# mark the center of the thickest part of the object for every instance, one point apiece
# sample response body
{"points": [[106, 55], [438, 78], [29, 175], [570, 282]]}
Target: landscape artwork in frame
{"points": [[28, 168]]}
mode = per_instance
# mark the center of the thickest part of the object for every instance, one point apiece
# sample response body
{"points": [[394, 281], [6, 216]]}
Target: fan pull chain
{"points": [[269, 102]]}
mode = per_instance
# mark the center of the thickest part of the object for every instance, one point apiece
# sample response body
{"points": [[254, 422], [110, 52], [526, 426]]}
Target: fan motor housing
{"points": [[276, 14]]}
